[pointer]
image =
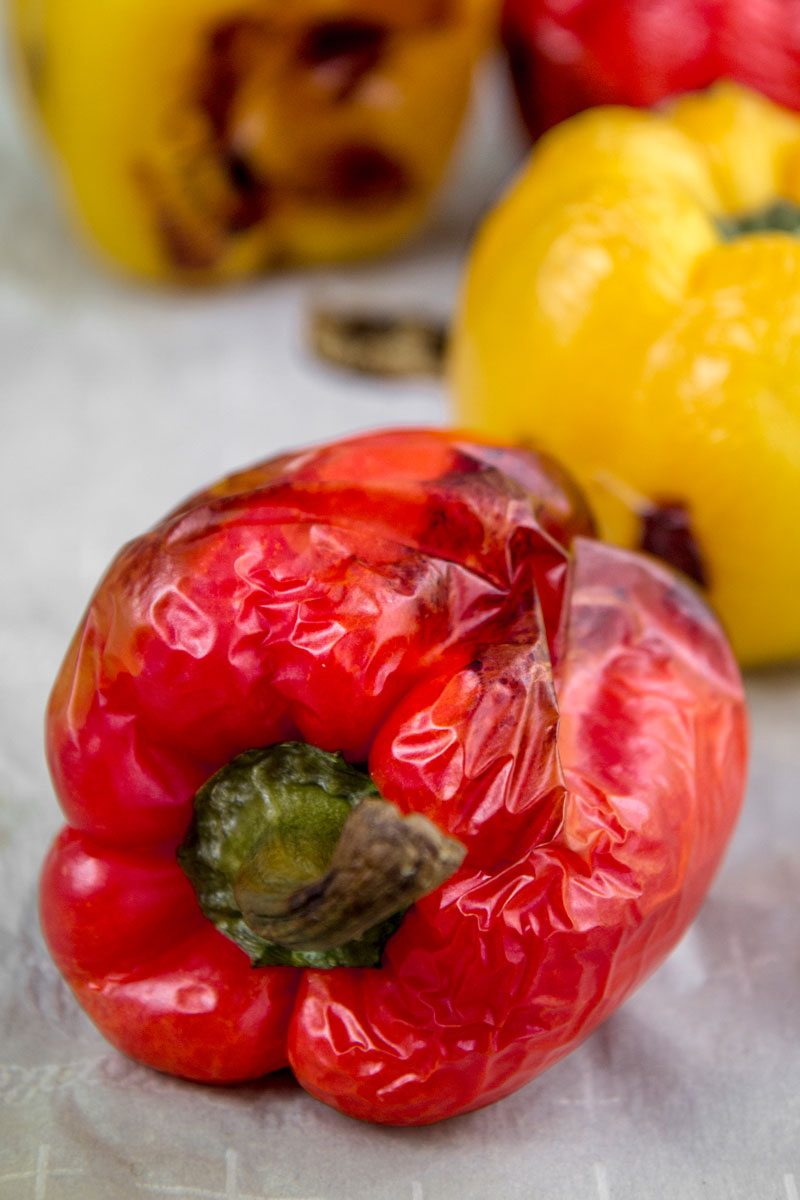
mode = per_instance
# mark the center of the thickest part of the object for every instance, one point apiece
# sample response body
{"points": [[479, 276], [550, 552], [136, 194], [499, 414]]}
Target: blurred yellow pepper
{"points": [[633, 307], [205, 140]]}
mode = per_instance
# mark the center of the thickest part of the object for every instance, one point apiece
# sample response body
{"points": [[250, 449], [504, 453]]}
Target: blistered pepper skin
{"points": [[645, 268], [438, 610], [568, 57], [205, 140]]}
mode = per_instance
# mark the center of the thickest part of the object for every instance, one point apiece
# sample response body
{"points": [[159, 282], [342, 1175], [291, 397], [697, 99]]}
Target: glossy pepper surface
{"points": [[645, 269], [568, 57], [207, 140], [433, 618]]}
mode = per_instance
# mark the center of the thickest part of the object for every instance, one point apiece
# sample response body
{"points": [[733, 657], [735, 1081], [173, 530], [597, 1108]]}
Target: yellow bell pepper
{"points": [[205, 140], [633, 307]]}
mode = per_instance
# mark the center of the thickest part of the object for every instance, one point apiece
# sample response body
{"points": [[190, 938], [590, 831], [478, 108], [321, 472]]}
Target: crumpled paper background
{"points": [[115, 402]]}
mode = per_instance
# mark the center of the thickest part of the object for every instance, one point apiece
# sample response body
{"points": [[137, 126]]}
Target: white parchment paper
{"points": [[114, 403]]}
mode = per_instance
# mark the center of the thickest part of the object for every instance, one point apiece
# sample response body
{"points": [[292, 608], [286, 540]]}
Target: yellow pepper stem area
{"points": [[295, 856], [666, 532], [781, 216]]}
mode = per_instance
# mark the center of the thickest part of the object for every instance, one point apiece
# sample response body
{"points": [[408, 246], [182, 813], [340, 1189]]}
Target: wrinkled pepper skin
{"points": [[645, 269], [439, 610], [569, 57], [207, 140]]}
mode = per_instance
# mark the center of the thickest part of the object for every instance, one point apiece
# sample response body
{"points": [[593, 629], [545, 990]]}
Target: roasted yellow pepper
{"points": [[206, 140], [633, 306]]}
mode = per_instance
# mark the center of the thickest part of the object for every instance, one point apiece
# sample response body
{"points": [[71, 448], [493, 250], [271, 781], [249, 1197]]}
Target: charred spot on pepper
{"points": [[183, 247], [253, 195], [34, 59], [364, 174], [341, 53], [471, 477], [436, 13], [666, 532], [449, 531], [520, 61], [463, 463], [228, 52], [179, 246]]}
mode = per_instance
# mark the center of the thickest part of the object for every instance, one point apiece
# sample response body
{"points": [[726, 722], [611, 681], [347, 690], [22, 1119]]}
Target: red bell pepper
{"points": [[566, 57], [365, 663]]}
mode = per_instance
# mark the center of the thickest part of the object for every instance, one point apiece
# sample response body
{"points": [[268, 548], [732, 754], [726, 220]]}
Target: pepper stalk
{"points": [[295, 856]]}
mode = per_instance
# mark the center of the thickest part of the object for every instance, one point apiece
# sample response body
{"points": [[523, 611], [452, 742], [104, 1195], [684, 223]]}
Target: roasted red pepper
{"points": [[564, 714], [568, 57]]}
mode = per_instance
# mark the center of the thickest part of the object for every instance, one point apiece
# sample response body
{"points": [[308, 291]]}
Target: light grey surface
{"points": [[115, 402]]}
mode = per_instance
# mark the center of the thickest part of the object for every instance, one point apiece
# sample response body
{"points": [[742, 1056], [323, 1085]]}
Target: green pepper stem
{"points": [[295, 856], [779, 216], [382, 863]]}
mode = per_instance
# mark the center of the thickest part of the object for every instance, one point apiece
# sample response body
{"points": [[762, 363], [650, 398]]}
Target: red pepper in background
{"points": [[566, 57], [562, 715]]}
